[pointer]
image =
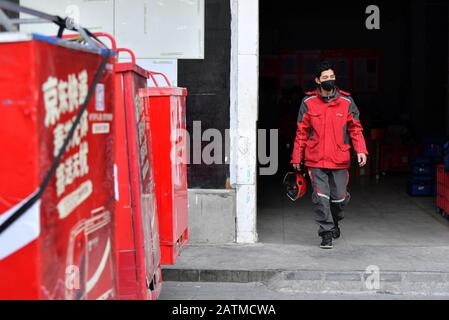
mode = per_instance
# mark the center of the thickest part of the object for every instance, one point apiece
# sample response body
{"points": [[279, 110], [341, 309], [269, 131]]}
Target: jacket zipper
{"points": [[324, 135]]}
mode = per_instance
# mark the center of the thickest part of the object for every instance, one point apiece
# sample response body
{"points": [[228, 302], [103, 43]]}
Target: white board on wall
{"points": [[161, 29], [169, 67], [153, 29], [95, 15]]}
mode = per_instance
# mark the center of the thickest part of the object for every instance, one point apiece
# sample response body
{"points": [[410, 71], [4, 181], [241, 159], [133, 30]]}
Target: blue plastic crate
{"points": [[423, 169], [418, 179], [421, 190], [422, 160]]}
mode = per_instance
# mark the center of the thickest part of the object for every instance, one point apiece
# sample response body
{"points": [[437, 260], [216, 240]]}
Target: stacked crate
{"points": [[422, 179], [442, 189]]}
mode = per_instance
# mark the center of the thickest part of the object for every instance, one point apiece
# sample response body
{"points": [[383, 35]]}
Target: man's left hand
{"points": [[361, 159]]}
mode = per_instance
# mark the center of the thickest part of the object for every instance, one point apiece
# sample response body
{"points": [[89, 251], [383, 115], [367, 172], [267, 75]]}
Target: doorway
{"points": [[398, 77]]}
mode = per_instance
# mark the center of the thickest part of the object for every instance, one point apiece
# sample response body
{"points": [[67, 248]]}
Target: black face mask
{"points": [[328, 85]]}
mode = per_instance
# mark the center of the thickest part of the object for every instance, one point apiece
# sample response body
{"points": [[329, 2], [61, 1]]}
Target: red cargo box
{"points": [[446, 184], [445, 205], [440, 202], [166, 119], [440, 190], [440, 180], [62, 247], [137, 232]]}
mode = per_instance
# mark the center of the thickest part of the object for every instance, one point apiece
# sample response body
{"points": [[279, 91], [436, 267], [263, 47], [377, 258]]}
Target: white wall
{"points": [[244, 114]]}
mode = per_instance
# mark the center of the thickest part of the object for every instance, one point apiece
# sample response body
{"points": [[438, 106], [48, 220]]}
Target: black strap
{"points": [[90, 34], [49, 175], [11, 6], [61, 31], [60, 22]]}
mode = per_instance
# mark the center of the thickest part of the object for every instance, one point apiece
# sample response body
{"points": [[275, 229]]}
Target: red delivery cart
{"points": [[165, 108], [61, 245], [137, 234]]}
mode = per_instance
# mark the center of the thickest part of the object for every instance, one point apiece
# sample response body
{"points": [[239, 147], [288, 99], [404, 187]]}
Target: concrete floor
{"points": [[403, 236], [259, 291], [380, 213]]}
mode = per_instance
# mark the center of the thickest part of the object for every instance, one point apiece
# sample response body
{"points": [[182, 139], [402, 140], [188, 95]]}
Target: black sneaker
{"points": [[326, 242], [336, 233]]}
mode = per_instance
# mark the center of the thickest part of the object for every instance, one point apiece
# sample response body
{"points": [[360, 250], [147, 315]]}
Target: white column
{"points": [[244, 113]]}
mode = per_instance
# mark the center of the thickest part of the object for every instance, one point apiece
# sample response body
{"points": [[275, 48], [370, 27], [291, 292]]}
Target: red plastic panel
{"points": [[137, 225], [166, 120]]}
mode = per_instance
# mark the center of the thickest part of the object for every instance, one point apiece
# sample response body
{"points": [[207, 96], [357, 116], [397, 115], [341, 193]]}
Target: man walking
{"points": [[328, 118]]}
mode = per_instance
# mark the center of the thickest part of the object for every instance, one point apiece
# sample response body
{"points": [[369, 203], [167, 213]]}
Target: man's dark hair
{"points": [[323, 66]]}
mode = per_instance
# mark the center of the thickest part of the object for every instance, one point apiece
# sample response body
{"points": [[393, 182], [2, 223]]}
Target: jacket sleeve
{"points": [[355, 129], [302, 134]]}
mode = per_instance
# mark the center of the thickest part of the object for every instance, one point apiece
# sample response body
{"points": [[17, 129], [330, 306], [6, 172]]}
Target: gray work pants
{"points": [[329, 196]]}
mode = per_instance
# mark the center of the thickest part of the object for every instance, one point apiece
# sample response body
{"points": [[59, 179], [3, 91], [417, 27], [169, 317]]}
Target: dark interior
{"points": [[398, 77]]}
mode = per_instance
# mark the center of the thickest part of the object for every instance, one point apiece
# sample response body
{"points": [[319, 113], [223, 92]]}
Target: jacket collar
{"points": [[334, 97]]}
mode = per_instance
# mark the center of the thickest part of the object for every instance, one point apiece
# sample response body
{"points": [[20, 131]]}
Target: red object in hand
{"points": [[295, 184]]}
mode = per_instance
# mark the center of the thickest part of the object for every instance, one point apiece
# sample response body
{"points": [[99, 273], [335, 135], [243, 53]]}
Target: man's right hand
{"points": [[297, 166]]}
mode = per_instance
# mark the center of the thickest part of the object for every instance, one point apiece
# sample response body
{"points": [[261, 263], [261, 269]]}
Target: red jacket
{"points": [[325, 125]]}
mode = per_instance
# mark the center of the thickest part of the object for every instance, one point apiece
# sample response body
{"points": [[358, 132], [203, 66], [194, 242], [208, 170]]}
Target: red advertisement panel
{"points": [[62, 248]]}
